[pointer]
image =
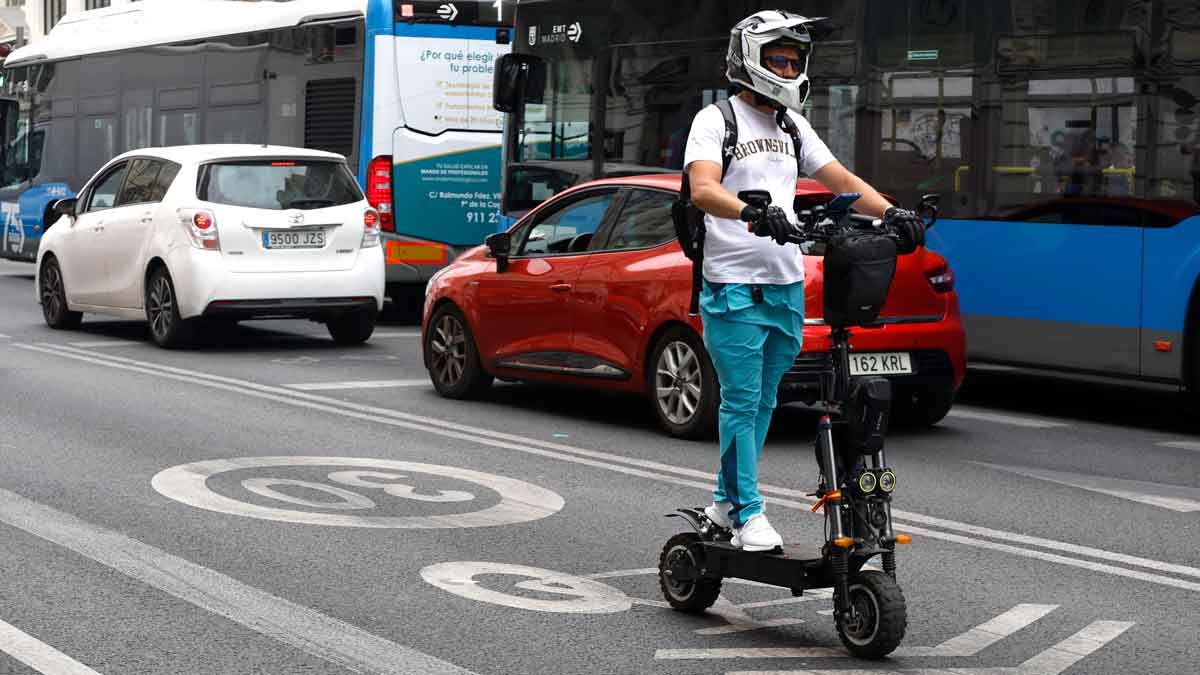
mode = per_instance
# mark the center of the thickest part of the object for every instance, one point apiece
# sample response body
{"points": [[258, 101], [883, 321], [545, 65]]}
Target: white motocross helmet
{"points": [[744, 62]]}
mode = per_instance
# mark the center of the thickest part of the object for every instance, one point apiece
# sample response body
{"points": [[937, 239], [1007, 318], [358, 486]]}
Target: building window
{"points": [[14, 3], [53, 11], [96, 4]]}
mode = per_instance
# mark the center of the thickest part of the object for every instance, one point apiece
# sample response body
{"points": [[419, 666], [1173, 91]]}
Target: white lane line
{"points": [[1070, 651], [749, 653], [37, 654], [101, 344], [361, 384], [1174, 497], [397, 334], [634, 467], [984, 635], [1181, 445], [966, 413], [4, 337], [300, 627], [1051, 661]]}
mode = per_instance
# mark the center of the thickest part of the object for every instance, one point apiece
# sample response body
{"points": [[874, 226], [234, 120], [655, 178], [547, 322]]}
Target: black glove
{"points": [[908, 226], [770, 222]]}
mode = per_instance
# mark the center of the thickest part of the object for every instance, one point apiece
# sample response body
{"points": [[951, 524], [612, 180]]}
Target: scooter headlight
{"points": [[887, 480], [867, 482]]}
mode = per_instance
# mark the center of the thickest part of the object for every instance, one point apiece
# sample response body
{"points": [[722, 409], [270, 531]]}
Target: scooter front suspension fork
{"points": [[838, 556], [833, 507]]}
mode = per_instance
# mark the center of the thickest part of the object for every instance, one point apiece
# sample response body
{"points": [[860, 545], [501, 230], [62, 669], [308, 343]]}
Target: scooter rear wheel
{"points": [[879, 619], [694, 596]]}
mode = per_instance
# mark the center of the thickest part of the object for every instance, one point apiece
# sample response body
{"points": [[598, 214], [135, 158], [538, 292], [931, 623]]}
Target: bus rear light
{"points": [[379, 190], [941, 278], [201, 228]]}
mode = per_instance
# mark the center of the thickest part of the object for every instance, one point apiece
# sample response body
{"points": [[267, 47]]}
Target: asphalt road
{"points": [[268, 502]]}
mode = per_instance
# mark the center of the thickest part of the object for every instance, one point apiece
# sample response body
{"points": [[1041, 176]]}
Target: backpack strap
{"points": [[689, 222], [786, 123], [731, 135]]}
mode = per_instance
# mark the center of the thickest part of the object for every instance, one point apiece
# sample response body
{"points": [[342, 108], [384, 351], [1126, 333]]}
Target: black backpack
{"points": [[689, 220]]}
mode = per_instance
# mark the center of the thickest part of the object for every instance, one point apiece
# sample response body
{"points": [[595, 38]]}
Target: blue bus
{"points": [[402, 89], [1063, 138]]}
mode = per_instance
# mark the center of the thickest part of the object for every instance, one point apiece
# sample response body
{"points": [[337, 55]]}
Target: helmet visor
{"points": [[787, 58]]}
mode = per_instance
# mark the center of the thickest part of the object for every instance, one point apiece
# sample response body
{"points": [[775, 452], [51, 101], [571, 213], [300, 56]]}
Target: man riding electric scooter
{"points": [[752, 301]]}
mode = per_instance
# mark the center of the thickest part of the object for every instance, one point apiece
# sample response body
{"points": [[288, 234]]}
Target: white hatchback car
{"points": [[181, 235]]}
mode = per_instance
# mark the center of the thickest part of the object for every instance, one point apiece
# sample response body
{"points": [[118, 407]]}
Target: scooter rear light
{"points": [[903, 539], [844, 542]]}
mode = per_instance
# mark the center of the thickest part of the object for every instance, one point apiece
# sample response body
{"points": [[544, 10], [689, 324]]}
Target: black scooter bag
{"points": [[859, 267], [868, 413]]}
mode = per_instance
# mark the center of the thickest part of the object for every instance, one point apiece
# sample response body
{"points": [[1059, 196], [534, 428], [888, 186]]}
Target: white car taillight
{"points": [[371, 221], [201, 226]]}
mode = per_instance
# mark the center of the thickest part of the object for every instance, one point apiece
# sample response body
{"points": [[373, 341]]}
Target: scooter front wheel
{"points": [[878, 618], [682, 554]]}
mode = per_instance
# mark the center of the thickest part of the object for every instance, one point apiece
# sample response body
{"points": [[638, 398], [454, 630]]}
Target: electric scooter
{"points": [[856, 480]]}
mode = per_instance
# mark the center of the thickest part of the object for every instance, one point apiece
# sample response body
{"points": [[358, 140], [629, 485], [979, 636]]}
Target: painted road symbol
{"points": [[354, 486], [586, 594], [577, 595]]}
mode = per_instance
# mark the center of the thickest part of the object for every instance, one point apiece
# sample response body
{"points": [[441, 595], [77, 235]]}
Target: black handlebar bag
{"points": [[859, 267]]}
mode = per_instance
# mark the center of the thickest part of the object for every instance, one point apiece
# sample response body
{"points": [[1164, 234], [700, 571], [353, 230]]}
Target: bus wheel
{"points": [[352, 328], [54, 298]]}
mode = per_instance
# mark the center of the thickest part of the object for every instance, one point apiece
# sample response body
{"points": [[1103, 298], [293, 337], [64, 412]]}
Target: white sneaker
{"points": [[718, 513], [757, 535]]}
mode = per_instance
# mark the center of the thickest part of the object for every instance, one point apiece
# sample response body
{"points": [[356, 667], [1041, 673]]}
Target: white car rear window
{"points": [[279, 184]]}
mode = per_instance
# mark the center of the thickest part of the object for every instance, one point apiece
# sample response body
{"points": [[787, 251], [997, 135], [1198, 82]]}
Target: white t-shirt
{"points": [[763, 160]]}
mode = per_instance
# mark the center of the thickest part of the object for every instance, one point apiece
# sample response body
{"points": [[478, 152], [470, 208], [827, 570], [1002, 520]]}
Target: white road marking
{"points": [[576, 595], [520, 502], [965, 413], [296, 361], [300, 627], [4, 337], [361, 384], [1051, 661], [643, 468], [1174, 497], [37, 654], [1181, 445], [101, 344], [749, 653], [984, 635]]}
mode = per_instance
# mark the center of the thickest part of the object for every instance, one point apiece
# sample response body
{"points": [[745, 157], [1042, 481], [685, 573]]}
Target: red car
{"points": [[593, 291]]}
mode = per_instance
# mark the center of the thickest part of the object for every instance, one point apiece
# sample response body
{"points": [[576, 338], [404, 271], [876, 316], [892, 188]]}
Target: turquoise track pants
{"points": [[752, 345]]}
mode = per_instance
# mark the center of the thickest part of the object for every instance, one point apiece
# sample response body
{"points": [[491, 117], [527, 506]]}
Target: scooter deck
{"points": [[796, 566]]}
